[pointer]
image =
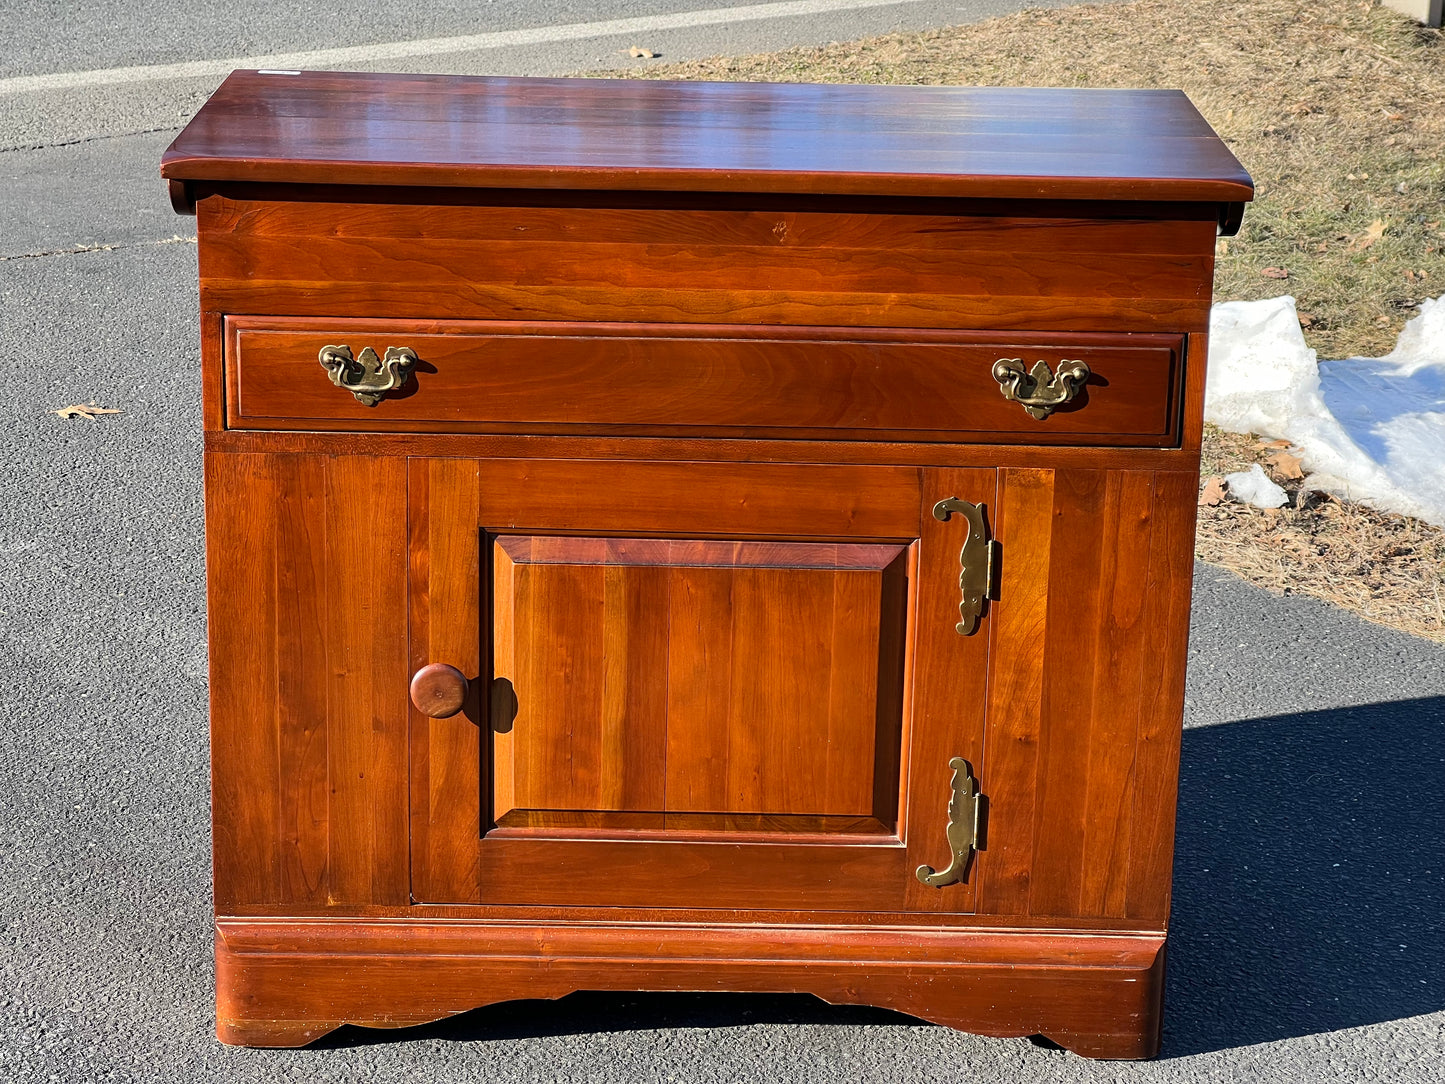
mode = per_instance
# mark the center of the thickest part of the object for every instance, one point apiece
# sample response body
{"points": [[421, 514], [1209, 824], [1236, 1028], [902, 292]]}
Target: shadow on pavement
{"points": [[1309, 875], [590, 1013], [1309, 896]]}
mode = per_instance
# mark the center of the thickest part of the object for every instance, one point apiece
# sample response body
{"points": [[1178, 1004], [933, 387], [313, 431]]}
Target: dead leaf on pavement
{"points": [[1213, 492], [85, 410], [1275, 444], [641, 53], [1275, 273], [1285, 465]]}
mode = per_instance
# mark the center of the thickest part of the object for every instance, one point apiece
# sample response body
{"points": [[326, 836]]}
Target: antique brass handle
{"points": [[1040, 391], [976, 558], [962, 832], [368, 377]]}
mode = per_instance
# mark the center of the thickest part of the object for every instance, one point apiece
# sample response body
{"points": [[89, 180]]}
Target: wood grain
{"points": [[959, 270], [768, 137], [705, 450], [284, 983], [682, 677], [310, 750], [1161, 698], [1080, 801], [303, 674], [779, 501], [699, 381], [445, 602], [947, 689], [249, 842]]}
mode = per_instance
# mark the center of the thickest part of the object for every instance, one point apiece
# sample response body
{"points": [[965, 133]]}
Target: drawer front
{"points": [[702, 380]]}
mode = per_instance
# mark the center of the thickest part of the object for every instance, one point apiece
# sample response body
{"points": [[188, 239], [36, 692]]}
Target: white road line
{"points": [[502, 39]]}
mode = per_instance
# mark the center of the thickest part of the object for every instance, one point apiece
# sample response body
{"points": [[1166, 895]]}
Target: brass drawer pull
{"points": [[962, 832], [976, 560], [1040, 391], [368, 377]]}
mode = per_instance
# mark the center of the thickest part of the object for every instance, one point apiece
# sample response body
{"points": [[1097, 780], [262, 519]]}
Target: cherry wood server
{"points": [[684, 536]]}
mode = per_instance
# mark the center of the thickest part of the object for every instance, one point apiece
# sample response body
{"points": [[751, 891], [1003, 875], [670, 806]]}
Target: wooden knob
{"points": [[438, 690]]}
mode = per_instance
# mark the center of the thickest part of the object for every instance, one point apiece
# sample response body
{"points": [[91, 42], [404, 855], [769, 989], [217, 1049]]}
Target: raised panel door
{"points": [[704, 697]]}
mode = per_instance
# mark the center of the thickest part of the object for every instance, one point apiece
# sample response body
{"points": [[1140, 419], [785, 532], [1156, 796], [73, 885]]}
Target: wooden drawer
{"points": [[702, 380]]}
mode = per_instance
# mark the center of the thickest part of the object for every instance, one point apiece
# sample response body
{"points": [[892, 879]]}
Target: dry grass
{"points": [[1388, 569], [1338, 111]]}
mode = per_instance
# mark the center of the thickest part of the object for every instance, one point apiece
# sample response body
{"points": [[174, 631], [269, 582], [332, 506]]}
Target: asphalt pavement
{"points": [[1307, 940]]}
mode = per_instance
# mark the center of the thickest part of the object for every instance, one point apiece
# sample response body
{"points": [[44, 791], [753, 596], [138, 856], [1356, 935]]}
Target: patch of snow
{"points": [[1367, 429], [1254, 487]]}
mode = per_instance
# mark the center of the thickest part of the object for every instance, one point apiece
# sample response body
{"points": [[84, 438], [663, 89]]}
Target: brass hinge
{"points": [[965, 820], [976, 561]]}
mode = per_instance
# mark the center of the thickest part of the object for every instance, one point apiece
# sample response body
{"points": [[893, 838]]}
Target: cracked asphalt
{"points": [[1307, 940]]}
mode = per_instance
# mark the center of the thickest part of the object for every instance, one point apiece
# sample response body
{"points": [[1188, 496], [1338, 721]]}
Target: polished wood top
{"points": [[606, 134]]}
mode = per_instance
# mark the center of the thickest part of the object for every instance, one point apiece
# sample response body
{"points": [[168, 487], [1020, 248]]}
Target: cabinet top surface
{"points": [[643, 135]]}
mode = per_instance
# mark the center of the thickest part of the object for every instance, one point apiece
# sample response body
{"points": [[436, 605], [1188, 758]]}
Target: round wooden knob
{"points": [[438, 690]]}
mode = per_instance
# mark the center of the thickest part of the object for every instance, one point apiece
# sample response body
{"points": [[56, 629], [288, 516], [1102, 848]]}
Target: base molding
{"points": [[288, 982]]}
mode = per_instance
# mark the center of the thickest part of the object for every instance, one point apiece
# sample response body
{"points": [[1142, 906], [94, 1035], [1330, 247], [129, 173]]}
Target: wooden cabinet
{"points": [[795, 515]]}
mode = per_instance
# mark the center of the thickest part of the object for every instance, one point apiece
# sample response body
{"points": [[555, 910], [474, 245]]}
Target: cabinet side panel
{"points": [[1196, 369], [302, 670], [307, 595], [1086, 697], [1161, 703], [249, 838]]}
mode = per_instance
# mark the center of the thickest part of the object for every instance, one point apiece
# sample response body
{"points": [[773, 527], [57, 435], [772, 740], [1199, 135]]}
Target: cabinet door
{"points": [[691, 685]]}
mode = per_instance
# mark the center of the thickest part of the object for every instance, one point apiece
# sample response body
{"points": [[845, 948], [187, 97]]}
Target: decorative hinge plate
{"points": [[976, 561], [965, 817]]}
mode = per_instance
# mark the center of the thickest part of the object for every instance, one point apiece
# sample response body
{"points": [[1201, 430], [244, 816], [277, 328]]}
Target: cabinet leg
{"points": [[1131, 1047], [272, 1033]]}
